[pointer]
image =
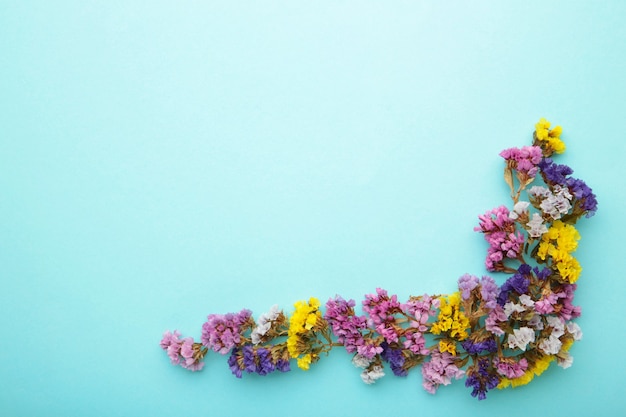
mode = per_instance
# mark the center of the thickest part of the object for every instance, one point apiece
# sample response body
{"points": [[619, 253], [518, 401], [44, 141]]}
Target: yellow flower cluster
{"points": [[301, 322], [550, 137], [451, 320], [558, 243]]}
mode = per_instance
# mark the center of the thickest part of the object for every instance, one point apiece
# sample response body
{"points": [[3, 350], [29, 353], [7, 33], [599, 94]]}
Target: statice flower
{"points": [[554, 173], [551, 345], [553, 203], [574, 330], [192, 355], [360, 361], [395, 359], [524, 160], [467, 283], [511, 307], [489, 291], [222, 332], [348, 327], [493, 320], [585, 195], [518, 283], [536, 226], [546, 304], [171, 343], [519, 209], [264, 324], [521, 338], [510, 368], [568, 309], [439, 371], [369, 376], [381, 309], [481, 378], [564, 361], [477, 347]]}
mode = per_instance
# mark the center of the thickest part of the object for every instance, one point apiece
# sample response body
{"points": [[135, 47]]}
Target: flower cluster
{"points": [[496, 336]]}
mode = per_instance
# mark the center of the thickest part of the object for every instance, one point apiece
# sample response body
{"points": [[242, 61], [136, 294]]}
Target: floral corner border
{"points": [[494, 336]]}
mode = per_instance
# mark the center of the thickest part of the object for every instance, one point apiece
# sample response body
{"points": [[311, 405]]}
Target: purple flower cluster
{"points": [[395, 358], [222, 332], [477, 347], [481, 379], [381, 309], [523, 160], [510, 368], [518, 283], [556, 174], [258, 361]]}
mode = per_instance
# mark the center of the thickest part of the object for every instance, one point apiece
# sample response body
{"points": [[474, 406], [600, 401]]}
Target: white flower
{"points": [[574, 330], [565, 362], [521, 337], [538, 191], [265, 323], [558, 328], [510, 308], [537, 228], [360, 361], [535, 322], [369, 377], [526, 300], [551, 345], [519, 208]]}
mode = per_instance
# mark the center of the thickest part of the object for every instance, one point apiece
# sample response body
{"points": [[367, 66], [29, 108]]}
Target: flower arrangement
{"points": [[496, 336]]}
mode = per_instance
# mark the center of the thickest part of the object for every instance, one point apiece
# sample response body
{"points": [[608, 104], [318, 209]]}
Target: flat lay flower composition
{"points": [[492, 335]]}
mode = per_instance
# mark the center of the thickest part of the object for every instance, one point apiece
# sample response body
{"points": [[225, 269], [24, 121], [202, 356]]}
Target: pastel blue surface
{"points": [[160, 161]]}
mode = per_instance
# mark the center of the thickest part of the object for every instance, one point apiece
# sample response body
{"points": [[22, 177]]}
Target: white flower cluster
{"points": [[264, 324], [537, 227], [556, 203]]}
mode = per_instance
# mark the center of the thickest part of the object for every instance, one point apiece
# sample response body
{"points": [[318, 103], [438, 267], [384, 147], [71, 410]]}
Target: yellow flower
{"points": [[451, 319], [304, 362], [537, 369], [551, 138], [558, 243], [447, 346]]}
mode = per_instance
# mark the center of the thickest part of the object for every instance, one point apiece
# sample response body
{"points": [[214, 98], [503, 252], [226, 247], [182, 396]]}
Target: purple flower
{"points": [[265, 362], [345, 324], [523, 160], [481, 379], [554, 173], [467, 283], [233, 363], [475, 348], [395, 358], [283, 365], [489, 291], [517, 283]]}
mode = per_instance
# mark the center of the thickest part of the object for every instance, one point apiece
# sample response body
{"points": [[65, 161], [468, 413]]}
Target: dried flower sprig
{"points": [[494, 335]]}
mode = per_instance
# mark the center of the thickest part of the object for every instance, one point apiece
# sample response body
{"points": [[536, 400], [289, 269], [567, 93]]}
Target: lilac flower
{"points": [[495, 317], [489, 291], [172, 345], [467, 283], [502, 244], [546, 304], [439, 371], [481, 379], [568, 310], [222, 332], [510, 368], [191, 355], [395, 358]]}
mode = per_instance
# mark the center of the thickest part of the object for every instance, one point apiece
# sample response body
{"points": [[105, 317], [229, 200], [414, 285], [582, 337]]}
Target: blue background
{"points": [[160, 161]]}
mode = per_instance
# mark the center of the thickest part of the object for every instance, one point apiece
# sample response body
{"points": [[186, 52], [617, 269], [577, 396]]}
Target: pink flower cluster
{"points": [[222, 332], [420, 309], [524, 159], [182, 352], [348, 328], [504, 241], [381, 309]]}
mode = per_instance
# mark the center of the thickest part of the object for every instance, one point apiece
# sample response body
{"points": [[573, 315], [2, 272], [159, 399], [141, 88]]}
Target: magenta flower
{"points": [[222, 332]]}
